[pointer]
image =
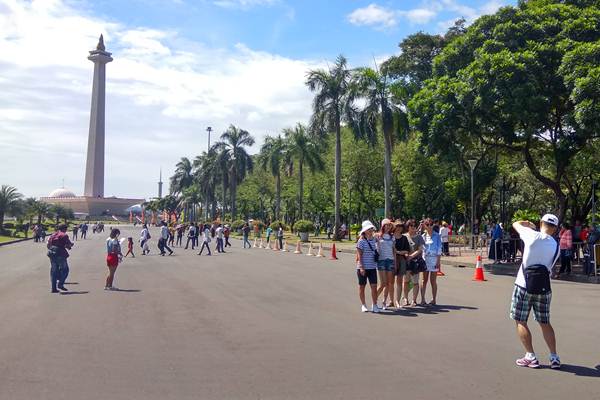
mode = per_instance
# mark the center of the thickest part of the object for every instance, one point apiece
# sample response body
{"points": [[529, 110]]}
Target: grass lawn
{"points": [[4, 239]]}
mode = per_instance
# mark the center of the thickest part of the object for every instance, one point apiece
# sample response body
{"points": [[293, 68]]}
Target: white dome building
{"points": [[61, 193]]}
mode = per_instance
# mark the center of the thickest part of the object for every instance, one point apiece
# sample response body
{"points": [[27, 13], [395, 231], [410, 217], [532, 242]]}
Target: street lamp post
{"points": [[472, 164], [209, 130]]}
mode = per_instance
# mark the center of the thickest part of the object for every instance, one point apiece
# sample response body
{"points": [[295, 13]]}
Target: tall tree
{"points": [[234, 142], [183, 177], [206, 175], [507, 83], [302, 149], [379, 92], [331, 105], [8, 197], [271, 159]]}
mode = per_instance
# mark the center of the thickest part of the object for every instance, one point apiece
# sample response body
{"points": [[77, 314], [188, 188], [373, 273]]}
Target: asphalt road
{"points": [[255, 324]]}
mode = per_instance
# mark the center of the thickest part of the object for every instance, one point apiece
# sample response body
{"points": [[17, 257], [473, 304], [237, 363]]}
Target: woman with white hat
{"points": [[387, 262], [366, 264]]}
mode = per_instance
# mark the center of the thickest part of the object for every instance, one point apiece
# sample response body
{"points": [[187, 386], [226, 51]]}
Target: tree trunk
{"points": [[278, 195], [301, 189], [1, 221], [224, 198], [338, 178], [387, 176], [233, 193]]}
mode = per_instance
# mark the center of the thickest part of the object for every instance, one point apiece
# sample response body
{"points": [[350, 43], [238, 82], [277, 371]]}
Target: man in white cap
{"points": [[532, 287]]}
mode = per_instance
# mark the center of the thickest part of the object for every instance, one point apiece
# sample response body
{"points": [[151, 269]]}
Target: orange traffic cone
{"points": [[478, 276], [320, 252], [310, 249], [260, 246], [285, 246], [298, 248], [333, 253]]}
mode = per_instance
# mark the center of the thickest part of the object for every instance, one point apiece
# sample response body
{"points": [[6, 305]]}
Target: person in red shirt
{"points": [[57, 245], [566, 246]]}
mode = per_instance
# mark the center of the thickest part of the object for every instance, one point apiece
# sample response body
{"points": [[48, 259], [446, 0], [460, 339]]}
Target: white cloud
{"points": [[244, 4], [162, 92], [373, 15], [380, 17]]}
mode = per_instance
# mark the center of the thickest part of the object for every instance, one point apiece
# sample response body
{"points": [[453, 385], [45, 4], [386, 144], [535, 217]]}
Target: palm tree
{"points": [[40, 209], [271, 158], [379, 91], [206, 175], [233, 141], [190, 198], [8, 198], [183, 177], [304, 150], [330, 105]]}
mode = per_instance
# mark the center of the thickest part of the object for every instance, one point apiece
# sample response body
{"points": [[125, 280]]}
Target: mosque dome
{"points": [[61, 193]]}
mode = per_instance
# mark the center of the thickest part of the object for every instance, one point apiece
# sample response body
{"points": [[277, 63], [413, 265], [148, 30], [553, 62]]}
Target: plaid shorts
{"points": [[522, 302]]}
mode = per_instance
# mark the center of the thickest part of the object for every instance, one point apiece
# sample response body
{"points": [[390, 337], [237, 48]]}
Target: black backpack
{"points": [[537, 277]]}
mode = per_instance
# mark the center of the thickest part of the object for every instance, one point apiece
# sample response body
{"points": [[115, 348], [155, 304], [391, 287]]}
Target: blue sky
{"points": [[179, 66]]}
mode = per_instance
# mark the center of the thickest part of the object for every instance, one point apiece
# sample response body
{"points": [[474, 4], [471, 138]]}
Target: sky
{"points": [[179, 66]]}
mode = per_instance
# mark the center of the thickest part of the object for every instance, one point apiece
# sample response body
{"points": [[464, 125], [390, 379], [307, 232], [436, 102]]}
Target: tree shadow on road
{"points": [[580, 370], [69, 293]]}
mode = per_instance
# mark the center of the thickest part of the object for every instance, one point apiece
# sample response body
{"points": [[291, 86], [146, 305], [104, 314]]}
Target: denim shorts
{"points": [[385, 265]]}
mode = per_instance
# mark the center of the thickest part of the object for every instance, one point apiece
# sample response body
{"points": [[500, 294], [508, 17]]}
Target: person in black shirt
{"points": [[402, 248]]}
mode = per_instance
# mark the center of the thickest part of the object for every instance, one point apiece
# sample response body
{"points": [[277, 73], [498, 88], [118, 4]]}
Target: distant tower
{"points": [[160, 183], [94, 170]]}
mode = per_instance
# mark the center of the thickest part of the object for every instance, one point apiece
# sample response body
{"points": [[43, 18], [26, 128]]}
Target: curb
{"points": [[14, 241]]}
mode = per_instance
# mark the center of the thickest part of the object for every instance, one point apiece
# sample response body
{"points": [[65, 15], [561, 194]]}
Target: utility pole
{"points": [[209, 130], [472, 164]]}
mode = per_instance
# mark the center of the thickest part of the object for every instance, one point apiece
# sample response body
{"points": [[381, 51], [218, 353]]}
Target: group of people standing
{"points": [[398, 255]]}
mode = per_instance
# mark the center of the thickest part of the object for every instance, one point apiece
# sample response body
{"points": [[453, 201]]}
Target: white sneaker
{"points": [[375, 309], [364, 308], [384, 307]]}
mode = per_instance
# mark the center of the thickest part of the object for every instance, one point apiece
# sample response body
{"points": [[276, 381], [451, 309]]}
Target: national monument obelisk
{"points": [[93, 202], [94, 169]]}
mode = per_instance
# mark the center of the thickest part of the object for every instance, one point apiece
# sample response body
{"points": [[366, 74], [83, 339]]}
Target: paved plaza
{"points": [[256, 324]]}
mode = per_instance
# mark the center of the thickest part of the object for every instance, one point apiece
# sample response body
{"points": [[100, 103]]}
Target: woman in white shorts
{"points": [[432, 252]]}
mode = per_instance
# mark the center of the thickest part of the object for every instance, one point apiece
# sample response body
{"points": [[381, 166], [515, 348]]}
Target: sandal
{"points": [[432, 303]]}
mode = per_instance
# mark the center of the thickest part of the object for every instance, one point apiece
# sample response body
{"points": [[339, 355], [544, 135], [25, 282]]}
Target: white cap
{"points": [[550, 219], [366, 225]]}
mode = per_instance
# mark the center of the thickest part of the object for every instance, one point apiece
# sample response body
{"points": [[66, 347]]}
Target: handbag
{"points": [[375, 252], [537, 277]]}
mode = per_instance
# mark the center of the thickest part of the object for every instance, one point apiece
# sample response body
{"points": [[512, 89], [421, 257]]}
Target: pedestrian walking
{"points": [[280, 236], [219, 235], [533, 289], [366, 265], [179, 230], [84, 229], [268, 233], [432, 252], [445, 236], [144, 238], [205, 240], [163, 240], [130, 247], [191, 235], [58, 244], [566, 247], [171, 240], [226, 233], [245, 233], [75, 231], [113, 257]]}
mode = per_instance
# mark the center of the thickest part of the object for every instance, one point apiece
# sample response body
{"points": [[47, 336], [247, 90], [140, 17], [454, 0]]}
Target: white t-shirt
{"points": [[219, 232], [539, 249], [444, 231]]}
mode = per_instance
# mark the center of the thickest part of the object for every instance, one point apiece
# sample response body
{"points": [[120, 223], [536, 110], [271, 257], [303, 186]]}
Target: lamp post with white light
{"points": [[472, 164]]}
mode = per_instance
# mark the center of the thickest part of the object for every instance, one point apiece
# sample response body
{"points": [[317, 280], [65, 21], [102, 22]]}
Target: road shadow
{"points": [[580, 370], [74, 292], [126, 290], [71, 283], [398, 313]]}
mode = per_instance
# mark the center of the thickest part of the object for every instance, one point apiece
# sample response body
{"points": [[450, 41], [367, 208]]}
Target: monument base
{"points": [[95, 206]]}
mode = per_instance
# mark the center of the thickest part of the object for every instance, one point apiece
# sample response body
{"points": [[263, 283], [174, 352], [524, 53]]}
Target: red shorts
{"points": [[112, 260]]}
